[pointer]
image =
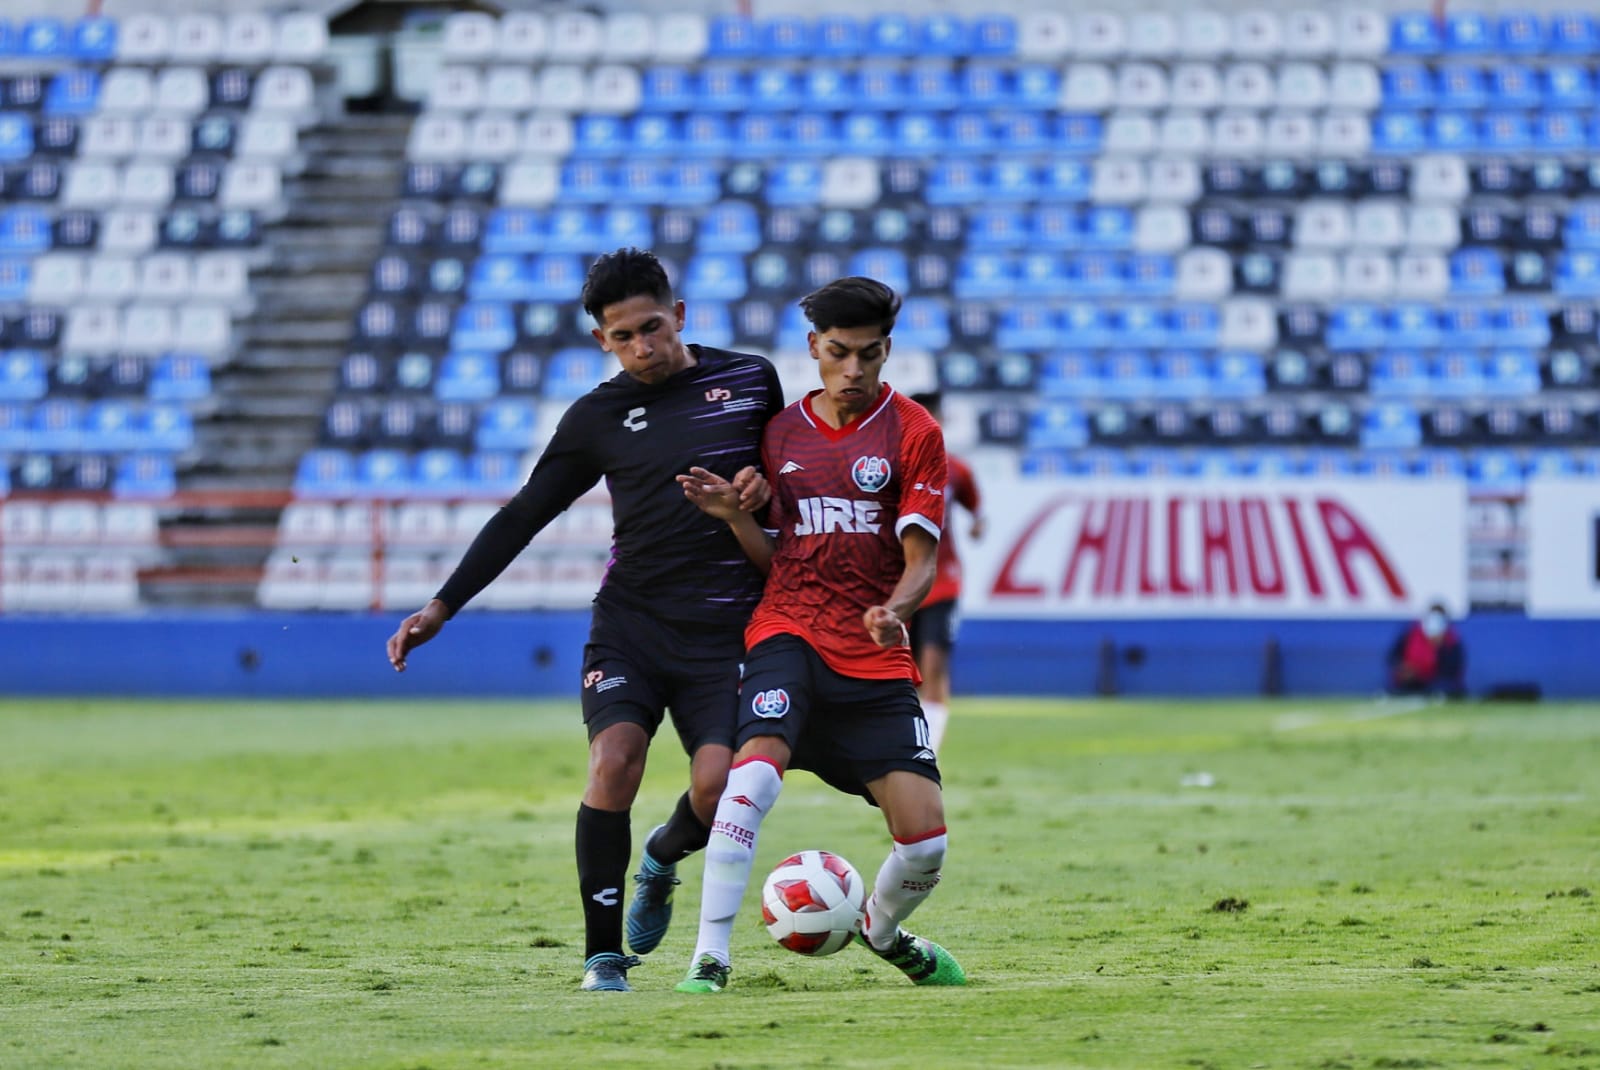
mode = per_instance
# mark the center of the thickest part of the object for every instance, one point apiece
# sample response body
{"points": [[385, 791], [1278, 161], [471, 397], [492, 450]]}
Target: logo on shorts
{"points": [[770, 703], [870, 473], [597, 679]]}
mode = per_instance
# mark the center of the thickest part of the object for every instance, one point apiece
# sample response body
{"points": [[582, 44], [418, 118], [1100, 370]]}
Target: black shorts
{"points": [[846, 731], [935, 625], [636, 667]]}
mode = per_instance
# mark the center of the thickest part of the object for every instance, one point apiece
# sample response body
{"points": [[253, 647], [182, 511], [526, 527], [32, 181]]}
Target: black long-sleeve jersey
{"points": [[668, 558]]}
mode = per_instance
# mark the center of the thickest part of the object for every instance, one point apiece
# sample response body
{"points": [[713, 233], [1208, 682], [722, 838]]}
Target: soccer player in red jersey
{"points": [[933, 629], [829, 684]]}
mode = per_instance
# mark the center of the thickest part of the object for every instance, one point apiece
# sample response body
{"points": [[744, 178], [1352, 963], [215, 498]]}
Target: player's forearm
{"points": [[753, 540], [915, 583]]}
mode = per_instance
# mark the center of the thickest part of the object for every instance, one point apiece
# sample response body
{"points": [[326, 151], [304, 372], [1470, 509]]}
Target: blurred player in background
{"points": [[668, 622], [857, 474], [933, 629]]}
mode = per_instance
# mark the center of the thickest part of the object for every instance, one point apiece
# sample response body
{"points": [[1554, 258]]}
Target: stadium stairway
{"points": [[270, 399]]}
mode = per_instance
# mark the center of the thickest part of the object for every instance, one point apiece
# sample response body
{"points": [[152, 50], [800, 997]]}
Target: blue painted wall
{"points": [[538, 655]]}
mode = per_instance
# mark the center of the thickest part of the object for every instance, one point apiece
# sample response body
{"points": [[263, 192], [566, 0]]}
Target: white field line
{"points": [[1377, 710]]}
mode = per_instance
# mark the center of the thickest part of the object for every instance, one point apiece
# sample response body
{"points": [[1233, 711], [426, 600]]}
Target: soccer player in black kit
{"points": [[667, 630]]}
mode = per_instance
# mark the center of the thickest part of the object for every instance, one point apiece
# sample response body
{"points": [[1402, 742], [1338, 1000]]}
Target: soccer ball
{"points": [[812, 902]]}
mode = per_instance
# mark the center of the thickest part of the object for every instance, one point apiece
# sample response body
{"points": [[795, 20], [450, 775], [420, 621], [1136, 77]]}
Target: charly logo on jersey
{"points": [[870, 473], [635, 420], [774, 702]]}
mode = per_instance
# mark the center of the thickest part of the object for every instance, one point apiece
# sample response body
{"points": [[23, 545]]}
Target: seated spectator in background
{"points": [[1428, 658]]}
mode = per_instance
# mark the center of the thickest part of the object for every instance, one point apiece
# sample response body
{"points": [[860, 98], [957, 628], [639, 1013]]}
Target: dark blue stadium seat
{"points": [[573, 372]]}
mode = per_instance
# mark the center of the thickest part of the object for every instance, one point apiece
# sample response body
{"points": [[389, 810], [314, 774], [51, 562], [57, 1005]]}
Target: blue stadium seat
{"points": [[514, 230], [1477, 273], [761, 136], [1401, 373], [1050, 464], [921, 134], [1399, 133], [839, 37], [1027, 326], [668, 89], [1460, 131], [94, 40], [148, 475], [934, 87], [1499, 131], [467, 377], [1568, 85], [1391, 425], [1497, 470], [555, 277], [924, 323], [1064, 180], [795, 182], [1521, 33], [722, 87], [1513, 85], [1469, 33], [985, 275], [1237, 374], [786, 36], [1414, 33], [775, 89], [1458, 374], [606, 136], [506, 424], [1094, 274], [711, 323], [56, 426], [16, 137], [887, 265], [1181, 374], [1574, 33], [733, 37], [494, 474], [22, 375], [971, 133], [166, 428], [999, 228], [893, 34], [819, 134], [1560, 132], [1055, 425], [1408, 86], [14, 275], [573, 372], [882, 87], [382, 473], [1079, 135], [1087, 325], [180, 377], [1578, 273], [1520, 323], [1512, 372], [569, 229], [1357, 326], [715, 277], [830, 88], [44, 38], [1013, 178], [482, 326], [1127, 374], [500, 278], [1462, 86], [437, 473]]}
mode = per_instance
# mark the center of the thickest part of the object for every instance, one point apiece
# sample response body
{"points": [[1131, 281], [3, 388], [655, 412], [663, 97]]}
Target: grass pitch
{"points": [[1322, 885]]}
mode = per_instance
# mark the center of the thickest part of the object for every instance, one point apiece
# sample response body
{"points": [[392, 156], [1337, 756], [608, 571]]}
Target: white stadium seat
{"points": [[1142, 87], [681, 37], [1307, 34], [222, 278], [290, 580], [203, 329], [1362, 33], [146, 330], [409, 580], [1197, 86], [1043, 35], [546, 136], [181, 91], [1128, 134], [1291, 135], [1421, 276], [1152, 35], [144, 38], [128, 232], [575, 36], [1367, 277], [1161, 228], [72, 523], [1248, 86], [614, 89], [1309, 277], [1341, 136], [165, 278], [286, 92], [1088, 87], [306, 526], [90, 329], [1174, 180], [1116, 180], [302, 37], [107, 137], [268, 139], [111, 280], [530, 184], [164, 137], [437, 139], [1183, 134], [89, 185], [22, 523], [523, 37], [509, 89], [1322, 224], [1354, 86], [563, 87], [1235, 134], [469, 37], [630, 36], [1247, 323], [1302, 86], [456, 88], [915, 372], [145, 185], [129, 526], [248, 38], [1203, 275], [346, 583], [127, 91], [1099, 35], [256, 186], [196, 38], [492, 137], [50, 582], [418, 525], [1378, 224], [1257, 34], [850, 182], [1439, 178], [1204, 35], [57, 279], [110, 582], [1433, 227]]}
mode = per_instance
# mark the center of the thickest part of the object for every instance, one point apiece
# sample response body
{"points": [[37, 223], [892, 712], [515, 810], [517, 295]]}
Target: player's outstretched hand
{"points": [[754, 490], [713, 494], [885, 627], [416, 630]]}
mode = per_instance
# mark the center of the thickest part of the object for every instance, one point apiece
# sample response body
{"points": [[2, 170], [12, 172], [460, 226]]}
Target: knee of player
{"points": [[925, 853]]}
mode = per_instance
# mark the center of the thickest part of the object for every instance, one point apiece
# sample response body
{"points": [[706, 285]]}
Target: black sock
{"points": [[680, 837], [604, 845]]}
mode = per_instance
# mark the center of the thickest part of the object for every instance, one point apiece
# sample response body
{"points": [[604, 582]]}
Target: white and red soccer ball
{"points": [[812, 902]]}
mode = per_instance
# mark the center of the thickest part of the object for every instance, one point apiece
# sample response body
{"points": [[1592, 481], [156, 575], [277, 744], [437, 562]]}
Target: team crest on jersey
{"points": [[870, 473], [771, 703]]}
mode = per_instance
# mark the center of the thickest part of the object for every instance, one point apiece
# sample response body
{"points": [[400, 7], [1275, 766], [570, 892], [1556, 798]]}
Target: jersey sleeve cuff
{"points": [[908, 519]]}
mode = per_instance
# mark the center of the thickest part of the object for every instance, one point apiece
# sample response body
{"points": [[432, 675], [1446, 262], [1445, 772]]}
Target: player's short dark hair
{"points": [[623, 274], [928, 399], [856, 301]]}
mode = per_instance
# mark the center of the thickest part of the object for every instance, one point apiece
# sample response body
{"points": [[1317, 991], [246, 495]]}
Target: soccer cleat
{"points": [[608, 972], [706, 975], [922, 961], [651, 910]]}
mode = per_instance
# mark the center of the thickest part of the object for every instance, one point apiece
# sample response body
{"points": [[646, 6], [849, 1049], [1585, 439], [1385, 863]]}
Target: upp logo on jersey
{"points": [[635, 420], [870, 473], [771, 703], [719, 394]]}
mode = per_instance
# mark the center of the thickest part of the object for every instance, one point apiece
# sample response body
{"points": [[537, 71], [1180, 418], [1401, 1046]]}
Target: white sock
{"points": [[907, 878], [938, 716], [753, 787]]}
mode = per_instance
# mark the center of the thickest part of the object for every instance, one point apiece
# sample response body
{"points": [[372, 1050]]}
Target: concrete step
{"points": [[295, 237], [266, 333], [372, 209]]}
